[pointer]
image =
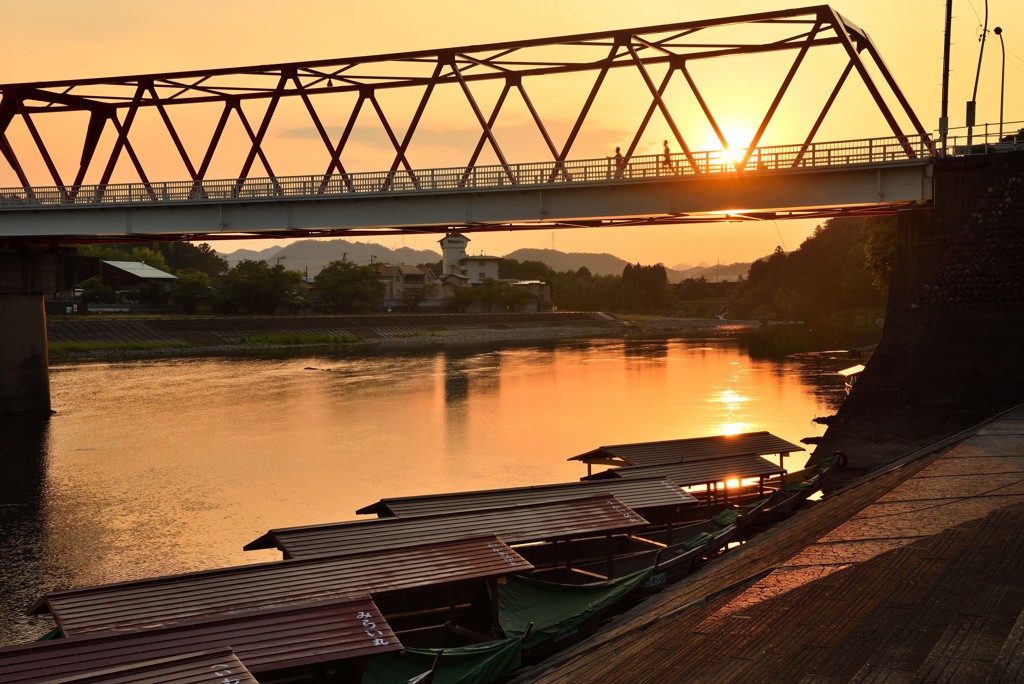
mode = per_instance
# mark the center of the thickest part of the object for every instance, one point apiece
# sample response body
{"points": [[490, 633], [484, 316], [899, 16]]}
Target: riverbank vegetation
{"points": [[840, 273], [58, 351]]}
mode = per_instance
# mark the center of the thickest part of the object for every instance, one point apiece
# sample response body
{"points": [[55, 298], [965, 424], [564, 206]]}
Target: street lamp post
{"points": [[1002, 79], [977, 75]]}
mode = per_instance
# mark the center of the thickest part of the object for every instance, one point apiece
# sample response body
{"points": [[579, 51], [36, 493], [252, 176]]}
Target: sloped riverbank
{"points": [[116, 336]]}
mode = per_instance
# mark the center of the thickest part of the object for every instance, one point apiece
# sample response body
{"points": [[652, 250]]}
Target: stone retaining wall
{"points": [[952, 352]]}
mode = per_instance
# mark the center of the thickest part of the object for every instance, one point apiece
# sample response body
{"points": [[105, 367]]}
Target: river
{"points": [[165, 466]]}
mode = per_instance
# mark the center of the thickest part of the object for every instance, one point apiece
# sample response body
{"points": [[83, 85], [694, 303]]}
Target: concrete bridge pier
{"points": [[25, 276]]}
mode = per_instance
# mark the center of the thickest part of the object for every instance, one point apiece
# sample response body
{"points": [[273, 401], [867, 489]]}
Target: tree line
{"points": [[841, 269]]}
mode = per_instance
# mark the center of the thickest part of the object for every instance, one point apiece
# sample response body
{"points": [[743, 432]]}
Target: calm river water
{"points": [[167, 466]]}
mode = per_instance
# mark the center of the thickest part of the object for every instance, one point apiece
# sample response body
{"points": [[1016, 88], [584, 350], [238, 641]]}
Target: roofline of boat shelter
{"points": [[195, 667], [208, 593], [642, 494], [760, 443], [544, 521], [311, 633], [703, 473]]}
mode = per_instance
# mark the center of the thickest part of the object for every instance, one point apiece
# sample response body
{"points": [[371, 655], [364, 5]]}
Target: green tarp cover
{"points": [[728, 516], [557, 609], [699, 540], [475, 664], [54, 633]]}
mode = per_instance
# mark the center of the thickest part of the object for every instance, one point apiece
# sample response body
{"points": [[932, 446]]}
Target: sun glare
{"points": [[738, 139], [731, 398], [733, 428]]}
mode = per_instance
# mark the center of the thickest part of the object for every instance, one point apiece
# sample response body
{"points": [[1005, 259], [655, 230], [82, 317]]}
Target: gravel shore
{"points": [[411, 338]]}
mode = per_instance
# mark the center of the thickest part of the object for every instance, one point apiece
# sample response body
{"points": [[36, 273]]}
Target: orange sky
{"points": [[65, 39]]}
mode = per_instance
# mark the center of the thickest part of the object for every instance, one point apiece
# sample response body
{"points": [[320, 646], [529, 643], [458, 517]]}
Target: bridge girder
{"points": [[817, 193]]}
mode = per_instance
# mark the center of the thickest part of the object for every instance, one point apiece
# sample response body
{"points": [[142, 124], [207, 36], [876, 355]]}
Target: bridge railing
{"points": [[986, 139], [491, 177]]}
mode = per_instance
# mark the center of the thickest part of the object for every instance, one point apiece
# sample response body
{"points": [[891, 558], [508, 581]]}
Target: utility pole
{"points": [[977, 74], [1002, 79], [944, 116]]}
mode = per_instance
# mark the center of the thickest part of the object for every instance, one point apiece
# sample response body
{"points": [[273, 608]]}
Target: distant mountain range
{"points": [[310, 257]]}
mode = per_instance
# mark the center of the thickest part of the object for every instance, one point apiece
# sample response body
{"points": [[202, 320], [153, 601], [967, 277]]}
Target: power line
{"points": [[781, 241]]}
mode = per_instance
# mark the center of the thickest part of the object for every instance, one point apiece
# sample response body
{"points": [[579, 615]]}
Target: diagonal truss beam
{"points": [[113, 105]]}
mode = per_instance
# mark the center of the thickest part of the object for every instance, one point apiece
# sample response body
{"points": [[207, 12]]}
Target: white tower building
{"points": [[453, 249]]}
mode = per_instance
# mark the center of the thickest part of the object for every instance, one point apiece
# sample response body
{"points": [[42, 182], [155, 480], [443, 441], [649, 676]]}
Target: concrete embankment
{"points": [[950, 355], [228, 334]]}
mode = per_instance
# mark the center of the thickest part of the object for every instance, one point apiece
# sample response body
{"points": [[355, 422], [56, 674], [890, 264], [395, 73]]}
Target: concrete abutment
{"points": [[25, 276], [952, 352]]}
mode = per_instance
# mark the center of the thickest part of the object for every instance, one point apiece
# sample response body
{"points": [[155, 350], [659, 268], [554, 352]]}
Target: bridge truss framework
{"points": [[112, 106]]}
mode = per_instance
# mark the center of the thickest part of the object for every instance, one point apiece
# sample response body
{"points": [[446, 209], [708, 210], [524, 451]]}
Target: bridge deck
{"points": [[780, 182]]}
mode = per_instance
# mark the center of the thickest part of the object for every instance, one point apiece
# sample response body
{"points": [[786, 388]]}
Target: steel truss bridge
{"points": [[80, 155]]}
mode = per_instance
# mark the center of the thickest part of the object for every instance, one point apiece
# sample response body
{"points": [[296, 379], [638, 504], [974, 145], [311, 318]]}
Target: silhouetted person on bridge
{"points": [[620, 163], [666, 160]]}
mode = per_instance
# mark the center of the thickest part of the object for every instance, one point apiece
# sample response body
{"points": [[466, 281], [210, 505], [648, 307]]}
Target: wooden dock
{"points": [[913, 574]]}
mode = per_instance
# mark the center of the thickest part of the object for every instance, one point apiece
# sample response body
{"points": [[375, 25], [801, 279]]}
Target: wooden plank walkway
{"points": [[914, 574]]}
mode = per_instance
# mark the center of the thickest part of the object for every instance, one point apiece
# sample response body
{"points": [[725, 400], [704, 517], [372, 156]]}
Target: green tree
{"points": [[144, 253], [525, 270], [435, 268], [192, 290], [490, 293], [414, 295], [515, 297], [95, 292], [825, 276], [182, 256], [879, 250], [344, 286], [166, 256], [464, 297], [580, 290], [253, 287], [646, 288]]}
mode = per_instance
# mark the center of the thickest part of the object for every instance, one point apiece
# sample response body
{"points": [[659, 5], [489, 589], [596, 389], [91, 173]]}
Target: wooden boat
{"points": [[850, 376], [721, 472], [796, 488], [537, 618], [669, 551]]}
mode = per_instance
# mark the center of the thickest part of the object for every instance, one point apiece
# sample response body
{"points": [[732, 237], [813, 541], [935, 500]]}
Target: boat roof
{"points": [[532, 522], [639, 494], [309, 633], [695, 473], [852, 370], [696, 448], [208, 593], [188, 668]]}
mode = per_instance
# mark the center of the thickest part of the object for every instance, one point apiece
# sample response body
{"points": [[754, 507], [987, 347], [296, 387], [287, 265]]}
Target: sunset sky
{"points": [[65, 39]]}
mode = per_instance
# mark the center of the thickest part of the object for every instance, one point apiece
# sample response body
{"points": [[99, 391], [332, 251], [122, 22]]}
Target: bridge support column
{"points": [[24, 371]]}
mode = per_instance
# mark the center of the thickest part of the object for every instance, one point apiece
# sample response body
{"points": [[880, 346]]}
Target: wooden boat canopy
{"points": [[694, 449], [187, 668], [161, 601], [307, 634], [544, 521], [640, 494], [697, 473]]}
